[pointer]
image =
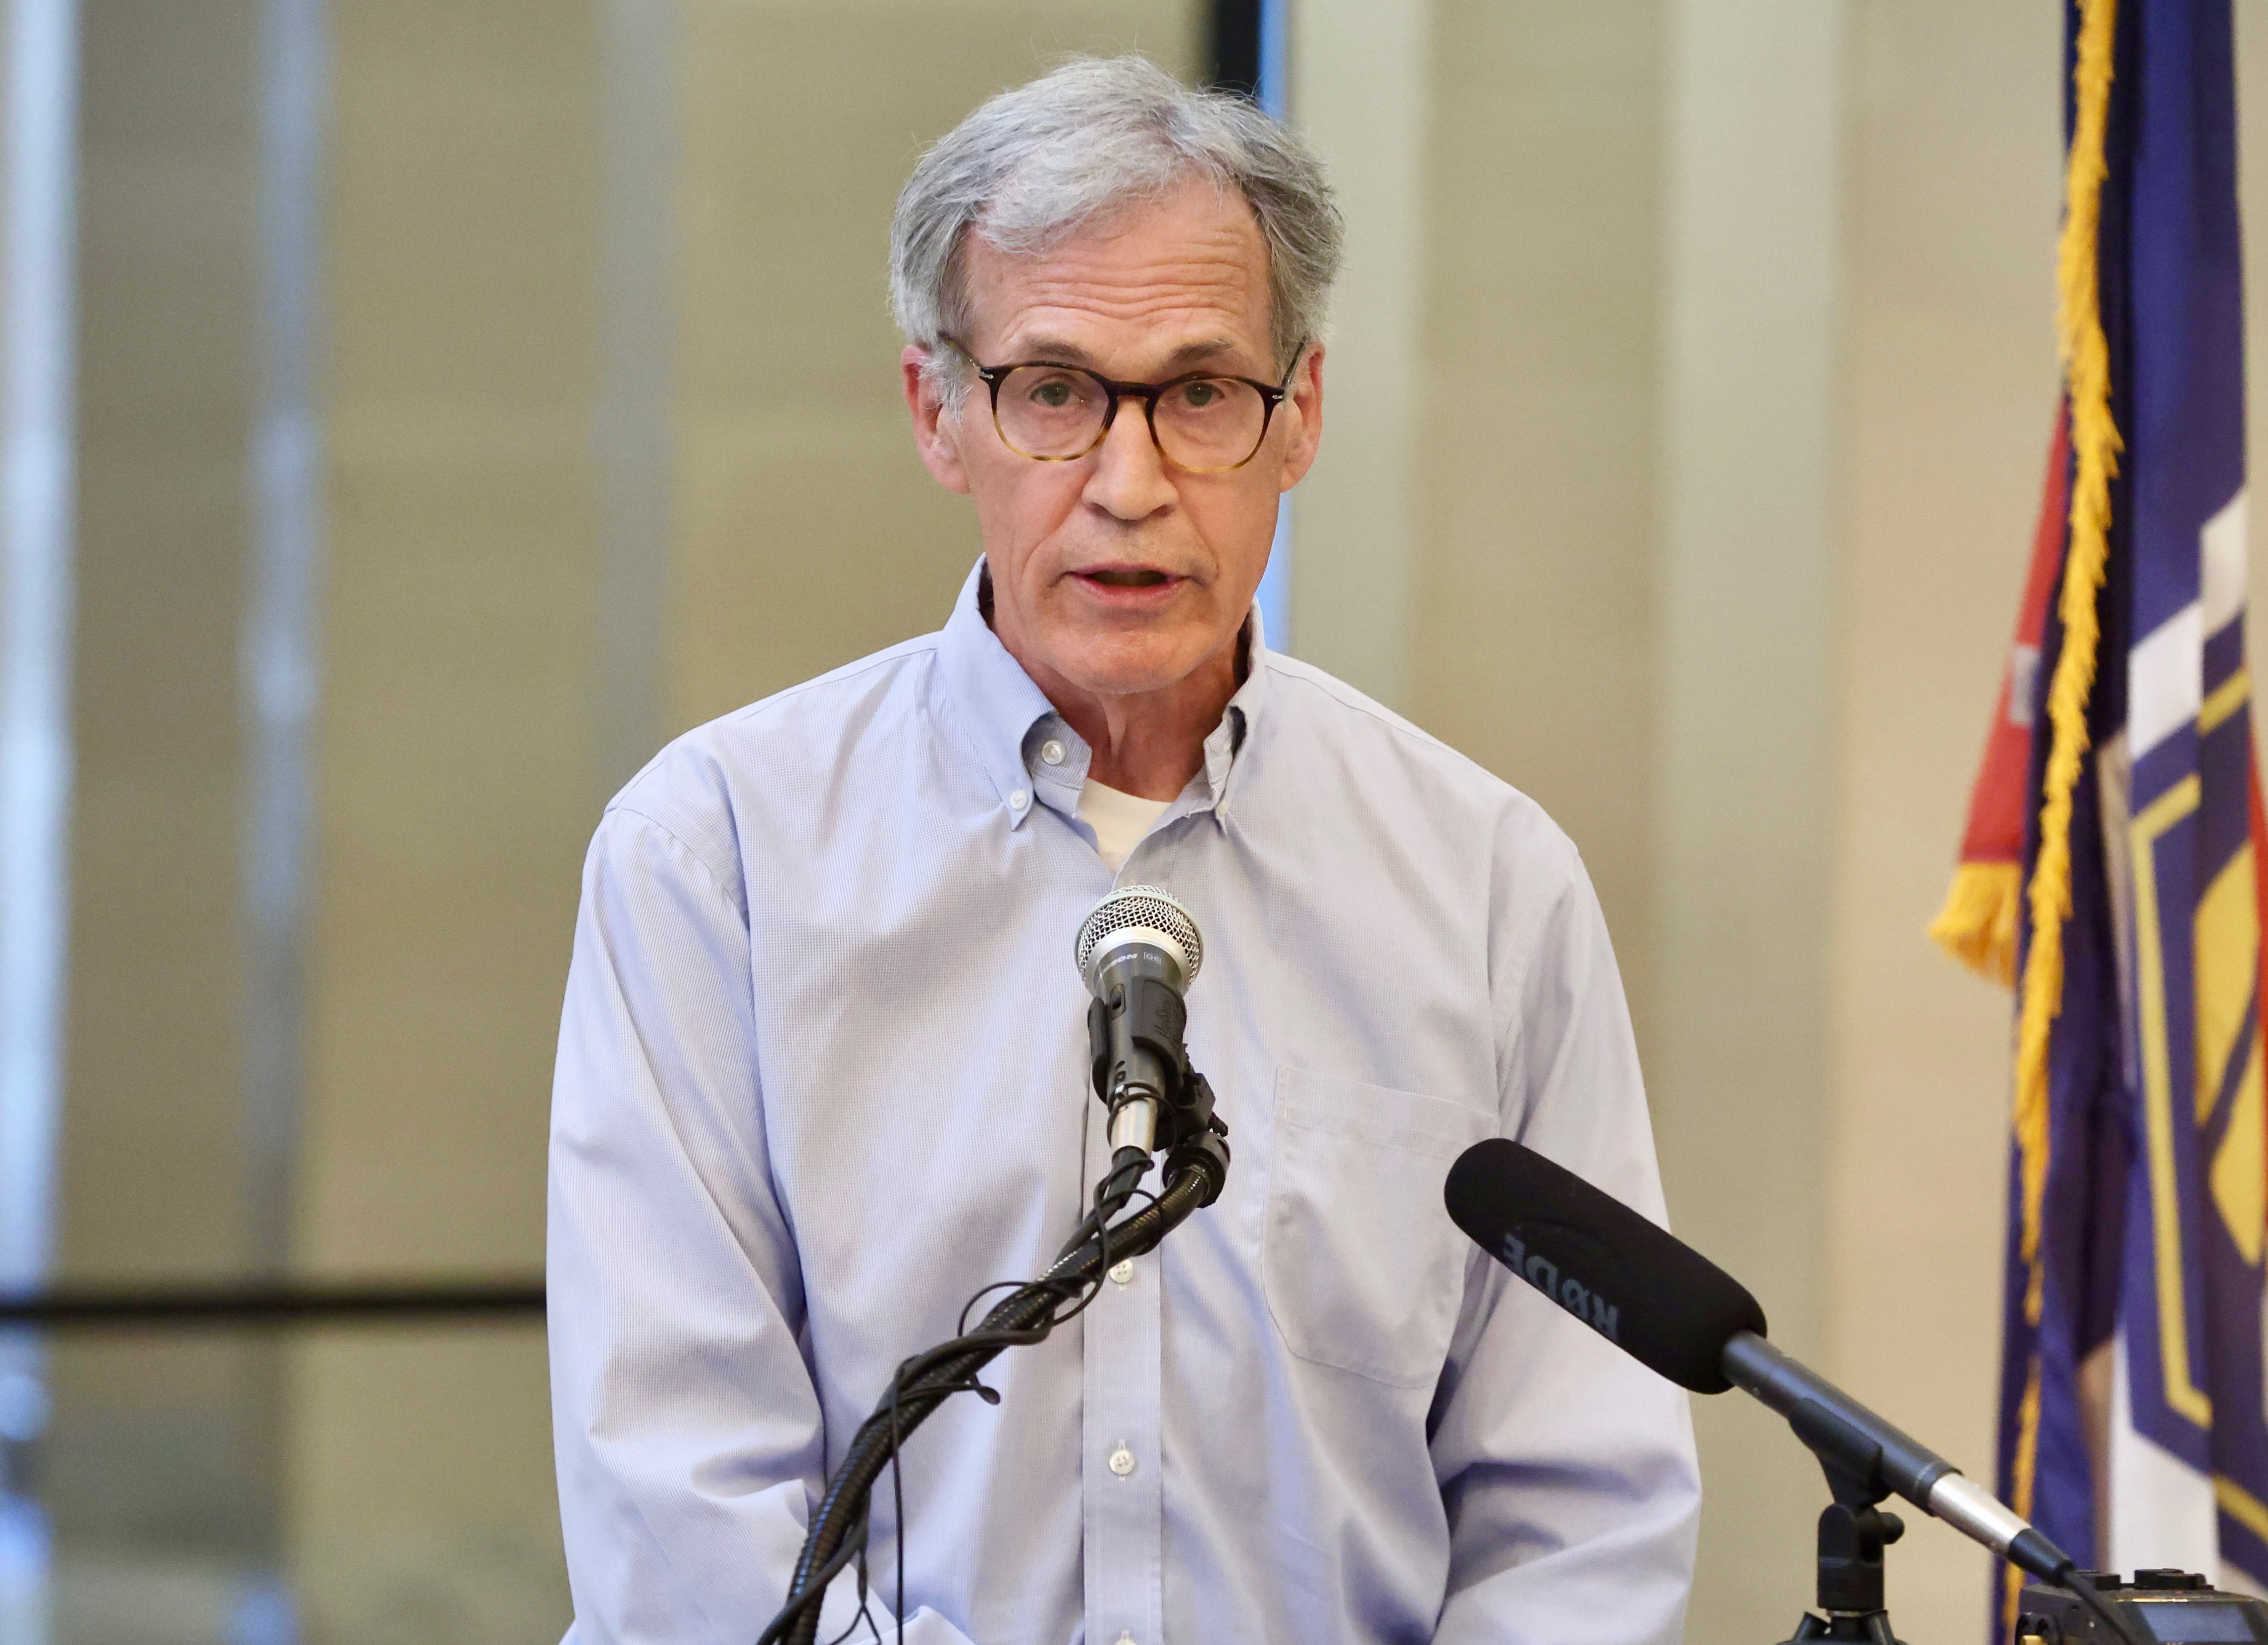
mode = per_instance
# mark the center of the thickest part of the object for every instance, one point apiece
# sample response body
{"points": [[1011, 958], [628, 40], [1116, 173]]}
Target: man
{"points": [[821, 1072]]}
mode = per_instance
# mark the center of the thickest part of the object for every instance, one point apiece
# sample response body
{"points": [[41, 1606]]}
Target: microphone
{"points": [[1679, 1314], [1137, 951]]}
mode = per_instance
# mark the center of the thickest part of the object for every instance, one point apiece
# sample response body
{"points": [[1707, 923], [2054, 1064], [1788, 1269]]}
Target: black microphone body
{"points": [[1139, 951], [1679, 1314], [1136, 1026], [1628, 1279]]}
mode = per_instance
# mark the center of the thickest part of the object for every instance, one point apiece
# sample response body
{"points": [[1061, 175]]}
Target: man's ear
{"points": [[937, 431], [1306, 407]]}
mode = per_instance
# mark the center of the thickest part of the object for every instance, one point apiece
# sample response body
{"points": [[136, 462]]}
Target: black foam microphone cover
{"points": [[1630, 1280]]}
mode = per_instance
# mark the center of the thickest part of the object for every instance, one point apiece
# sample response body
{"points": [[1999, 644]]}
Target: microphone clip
{"points": [[1141, 1070]]}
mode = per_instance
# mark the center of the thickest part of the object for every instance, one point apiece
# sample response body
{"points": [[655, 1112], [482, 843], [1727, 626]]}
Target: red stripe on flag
{"points": [[1996, 803]]}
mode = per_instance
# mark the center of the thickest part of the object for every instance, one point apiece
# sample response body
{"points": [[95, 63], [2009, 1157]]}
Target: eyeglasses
{"points": [[1201, 423]]}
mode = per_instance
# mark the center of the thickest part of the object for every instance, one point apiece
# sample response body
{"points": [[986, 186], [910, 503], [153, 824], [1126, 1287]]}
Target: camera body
{"points": [[2178, 1607]]}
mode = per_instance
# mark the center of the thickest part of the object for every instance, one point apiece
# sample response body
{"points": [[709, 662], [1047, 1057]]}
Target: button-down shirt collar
{"points": [[1009, 722]]}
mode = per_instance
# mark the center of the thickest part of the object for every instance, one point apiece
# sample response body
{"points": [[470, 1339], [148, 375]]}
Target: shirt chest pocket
{"points": [[1362, 1267]]}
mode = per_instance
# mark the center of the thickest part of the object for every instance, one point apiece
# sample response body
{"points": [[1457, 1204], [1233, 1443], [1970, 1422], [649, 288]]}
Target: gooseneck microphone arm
{"points": [[1194, 1177]]}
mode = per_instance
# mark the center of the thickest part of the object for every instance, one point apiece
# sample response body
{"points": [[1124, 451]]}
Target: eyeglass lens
{"points": [[1207, 423]]}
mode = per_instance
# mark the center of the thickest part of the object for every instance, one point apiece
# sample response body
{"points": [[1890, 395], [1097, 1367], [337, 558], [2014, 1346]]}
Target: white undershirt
{"points": [[1119, 819]]}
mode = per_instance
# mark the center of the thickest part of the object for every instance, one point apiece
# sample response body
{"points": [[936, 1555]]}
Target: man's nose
{"points": [[1129, 479]]}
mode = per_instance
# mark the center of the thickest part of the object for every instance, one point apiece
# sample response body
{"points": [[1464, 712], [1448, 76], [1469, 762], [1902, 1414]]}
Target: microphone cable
{"points": [[1118, 1188], [2078, 1582], [837, 1538]]}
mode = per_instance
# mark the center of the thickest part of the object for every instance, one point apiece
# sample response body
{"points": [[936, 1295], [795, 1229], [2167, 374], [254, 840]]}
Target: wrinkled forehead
{"points": [[1157, 281]]}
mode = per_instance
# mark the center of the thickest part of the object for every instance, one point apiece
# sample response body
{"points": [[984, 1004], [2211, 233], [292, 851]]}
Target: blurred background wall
{"points": [[469, 396]]}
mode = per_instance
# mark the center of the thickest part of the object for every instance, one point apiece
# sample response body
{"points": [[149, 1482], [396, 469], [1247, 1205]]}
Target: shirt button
{"points": [[1018, 800], [1122, 1461], [1052, 752], [1123, 1272]]}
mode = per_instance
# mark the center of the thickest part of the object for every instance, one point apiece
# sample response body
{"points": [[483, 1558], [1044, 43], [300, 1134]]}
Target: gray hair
{"points": [[1080, 145]]}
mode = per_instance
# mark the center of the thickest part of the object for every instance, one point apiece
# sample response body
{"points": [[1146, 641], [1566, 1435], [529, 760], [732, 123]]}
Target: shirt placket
{"points": [[1121, 1471]]}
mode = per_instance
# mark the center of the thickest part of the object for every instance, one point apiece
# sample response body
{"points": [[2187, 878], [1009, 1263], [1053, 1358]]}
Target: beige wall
{"points": [[453, 799], [1949, 389], [1363, 83], [1541, 343], [1744, 632]]}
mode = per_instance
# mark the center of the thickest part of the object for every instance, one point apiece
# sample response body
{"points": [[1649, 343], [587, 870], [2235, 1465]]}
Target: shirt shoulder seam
{"points": [[890, 655], [1354, 702], [626, 798], [692, 852]]}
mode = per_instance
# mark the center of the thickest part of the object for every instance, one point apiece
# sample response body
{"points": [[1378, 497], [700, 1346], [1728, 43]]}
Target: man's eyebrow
{"points": [[1053, 350], [1190, 355], [1056, 350]]}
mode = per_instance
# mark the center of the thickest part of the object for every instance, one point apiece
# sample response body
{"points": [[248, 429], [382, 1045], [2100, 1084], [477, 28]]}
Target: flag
{"points": [[2109, 864]]}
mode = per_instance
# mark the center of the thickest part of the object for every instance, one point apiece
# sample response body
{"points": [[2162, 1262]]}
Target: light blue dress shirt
{"points": [[820, 1078]]}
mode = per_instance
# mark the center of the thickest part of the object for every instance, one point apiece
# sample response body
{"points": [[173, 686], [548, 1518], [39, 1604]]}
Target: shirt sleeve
{"points": [[1566, 1467], [687, 1428]]}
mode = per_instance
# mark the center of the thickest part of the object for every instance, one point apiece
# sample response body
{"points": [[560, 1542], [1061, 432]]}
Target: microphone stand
{"points": [[1194, 1173], [1852, 1533]]}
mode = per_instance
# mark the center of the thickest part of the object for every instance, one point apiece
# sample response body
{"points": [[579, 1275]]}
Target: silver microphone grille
{"points": [[1144, 906]]}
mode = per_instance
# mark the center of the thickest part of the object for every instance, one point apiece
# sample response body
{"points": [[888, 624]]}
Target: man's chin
{"points": [[1113, 667], [1117, 682]]}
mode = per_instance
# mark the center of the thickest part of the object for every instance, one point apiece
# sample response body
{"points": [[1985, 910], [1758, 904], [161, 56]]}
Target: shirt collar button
{"points": [[1052, 751]]}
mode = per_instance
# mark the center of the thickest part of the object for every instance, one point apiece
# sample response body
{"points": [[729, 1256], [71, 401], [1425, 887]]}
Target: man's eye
{"points": [[1201, 394], [1054, 395]]}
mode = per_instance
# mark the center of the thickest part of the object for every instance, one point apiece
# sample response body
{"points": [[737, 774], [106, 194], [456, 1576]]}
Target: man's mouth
{"points": [[1126, 577]]}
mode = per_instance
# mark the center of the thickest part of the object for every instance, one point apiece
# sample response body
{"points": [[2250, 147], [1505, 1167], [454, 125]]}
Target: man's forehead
{"points": [[1187, 277]]}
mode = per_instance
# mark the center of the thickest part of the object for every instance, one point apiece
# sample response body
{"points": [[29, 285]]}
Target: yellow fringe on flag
{"points": [[2094, 446], [1978, 925], [2026, 1470]]}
